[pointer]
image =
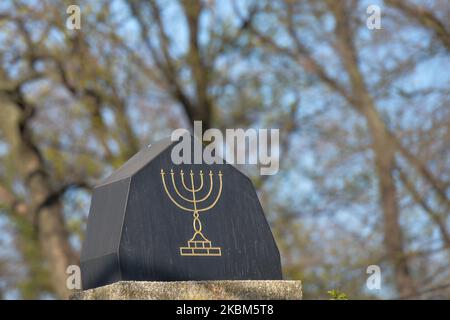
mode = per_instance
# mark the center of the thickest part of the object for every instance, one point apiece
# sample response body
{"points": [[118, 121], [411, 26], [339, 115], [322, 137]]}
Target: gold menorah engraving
{"points": [[198, 245]]}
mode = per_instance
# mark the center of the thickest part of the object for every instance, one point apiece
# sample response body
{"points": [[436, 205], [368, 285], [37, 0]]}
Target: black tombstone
{"points": [[152, 220]]}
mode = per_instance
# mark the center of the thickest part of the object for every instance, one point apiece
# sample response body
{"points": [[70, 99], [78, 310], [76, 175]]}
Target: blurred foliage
{"points": [[335, 294], [364, 119]]}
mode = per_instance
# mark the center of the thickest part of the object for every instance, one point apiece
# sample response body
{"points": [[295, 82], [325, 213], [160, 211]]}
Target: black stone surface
{"points": [[135, 231]]}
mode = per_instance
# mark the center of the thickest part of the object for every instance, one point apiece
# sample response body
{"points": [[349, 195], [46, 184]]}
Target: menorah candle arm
{"points": [[170, 196], [201, 184], [184, 183], [209, 191], [217, 197], [177, 191]]}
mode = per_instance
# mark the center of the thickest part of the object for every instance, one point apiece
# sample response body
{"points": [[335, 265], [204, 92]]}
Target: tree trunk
{"points": [[52, 233], [384, 157], [45, 209], [382, 145]]}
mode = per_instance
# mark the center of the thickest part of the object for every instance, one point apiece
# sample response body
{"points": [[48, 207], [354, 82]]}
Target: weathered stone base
{"points": [[195, 290]]}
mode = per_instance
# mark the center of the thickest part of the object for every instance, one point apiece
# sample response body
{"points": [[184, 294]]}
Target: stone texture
{"points": [[195, 290], [136, 232]]}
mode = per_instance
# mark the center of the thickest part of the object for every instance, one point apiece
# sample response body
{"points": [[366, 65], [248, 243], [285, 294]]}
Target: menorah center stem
{"points": [[197, 223]]}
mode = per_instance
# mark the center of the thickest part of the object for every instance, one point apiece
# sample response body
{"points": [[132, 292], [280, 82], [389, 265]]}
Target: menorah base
{"points": [[200, 248]]}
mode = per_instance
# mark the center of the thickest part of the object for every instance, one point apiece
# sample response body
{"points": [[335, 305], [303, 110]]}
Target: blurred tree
{"points": [[335, 56], [364, 125]]}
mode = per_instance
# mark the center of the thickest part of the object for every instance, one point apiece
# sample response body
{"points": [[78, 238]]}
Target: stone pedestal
{"points": [[195, 290]]}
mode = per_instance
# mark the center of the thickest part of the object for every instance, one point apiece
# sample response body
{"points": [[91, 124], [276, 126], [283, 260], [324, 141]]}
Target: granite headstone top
{"points": [[152, 220]]}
